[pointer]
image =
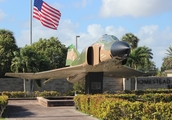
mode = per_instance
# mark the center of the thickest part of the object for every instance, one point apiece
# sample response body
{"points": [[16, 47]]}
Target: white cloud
{"points": [[149, 29], [82, 3], [146, 33], [135, 8], [95, 29], [57, 5], [156, 39], [2, 0], [2, 15]]}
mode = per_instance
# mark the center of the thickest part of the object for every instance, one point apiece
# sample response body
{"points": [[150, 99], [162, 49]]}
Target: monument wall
{"points": [[61, 85], [16, 84], [110, 85], [11, 84]]}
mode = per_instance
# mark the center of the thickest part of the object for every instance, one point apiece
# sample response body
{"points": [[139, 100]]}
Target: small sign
{"points": [[96, 85]]}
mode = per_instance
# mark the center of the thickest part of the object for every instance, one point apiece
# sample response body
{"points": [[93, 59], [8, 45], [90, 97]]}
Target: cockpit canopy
{"points": [[107, 39]]}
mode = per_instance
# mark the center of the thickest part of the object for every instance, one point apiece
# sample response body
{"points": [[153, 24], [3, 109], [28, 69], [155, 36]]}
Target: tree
{"points": [[167, 61], [7, 48], [131, 39], [54, 51], [16, 62], [140, 59], [28, 60], [145, 62], [160, 73]]}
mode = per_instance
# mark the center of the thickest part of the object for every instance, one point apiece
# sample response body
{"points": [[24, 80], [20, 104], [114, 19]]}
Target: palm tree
{"points": [[25, 60], [19, 62], [167, 61], [131, 39], [140, 57], [169, 50], [7, 48], [16, 62]]}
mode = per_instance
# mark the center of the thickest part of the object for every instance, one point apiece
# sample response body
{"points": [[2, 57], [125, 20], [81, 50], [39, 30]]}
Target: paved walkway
{"points": [[32, 110]]}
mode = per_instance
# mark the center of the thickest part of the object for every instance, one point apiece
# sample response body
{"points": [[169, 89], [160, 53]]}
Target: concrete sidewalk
{"points": [[32, 110]]}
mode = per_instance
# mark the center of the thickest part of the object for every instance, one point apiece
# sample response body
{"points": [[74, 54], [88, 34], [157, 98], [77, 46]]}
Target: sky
{"points": [[149, 20]]}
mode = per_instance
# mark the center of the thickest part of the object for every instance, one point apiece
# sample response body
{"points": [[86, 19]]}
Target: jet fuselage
{"points": [[106, 48]]}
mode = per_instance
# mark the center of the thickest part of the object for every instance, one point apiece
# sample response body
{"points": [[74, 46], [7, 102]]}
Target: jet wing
{"points": [[76, 72], [123, 71], [50, 74], [20, 75]]}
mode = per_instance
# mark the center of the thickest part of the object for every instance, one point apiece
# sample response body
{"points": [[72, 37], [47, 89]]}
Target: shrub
{"points": [[156, 97], [3, 104], [20, 94], [15, 94], [69, 93], [46, 93], [147, 91], [79, 87], [108, 107]]}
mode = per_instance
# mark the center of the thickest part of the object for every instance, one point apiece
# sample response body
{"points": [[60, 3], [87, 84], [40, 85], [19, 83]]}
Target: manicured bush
{"points": [[69, 93], [3, 104], [166, 91], [16, 94], [156, 97], [21, 94], [151, 97], [45, 93], [111, 108], [129, 97], [148, 91]]}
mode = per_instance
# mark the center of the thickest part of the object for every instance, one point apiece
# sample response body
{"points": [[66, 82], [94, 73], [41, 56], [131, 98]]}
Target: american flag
{"points": [[48, 16]]}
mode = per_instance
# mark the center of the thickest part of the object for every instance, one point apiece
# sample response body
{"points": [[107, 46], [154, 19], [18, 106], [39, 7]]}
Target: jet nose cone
{"points": [[120, 49]]}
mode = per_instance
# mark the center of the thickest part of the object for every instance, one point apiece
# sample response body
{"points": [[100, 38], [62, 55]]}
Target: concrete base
{"points": [[56, 101]]}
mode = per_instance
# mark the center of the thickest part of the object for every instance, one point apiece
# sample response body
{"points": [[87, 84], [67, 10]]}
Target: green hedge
{"points": [[129, 97], [148, 91], [142, 98], [151, 97], [109, 108], [20, 94], [156, 97], [3, 104]]}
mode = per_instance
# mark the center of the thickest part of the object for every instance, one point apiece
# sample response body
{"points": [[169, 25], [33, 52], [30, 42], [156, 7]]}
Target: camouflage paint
{"points": [[105, 43], [81, 59], [72, 54]]}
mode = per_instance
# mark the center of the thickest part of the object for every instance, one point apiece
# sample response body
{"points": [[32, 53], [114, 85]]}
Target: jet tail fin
{"points": [[72, 54]]}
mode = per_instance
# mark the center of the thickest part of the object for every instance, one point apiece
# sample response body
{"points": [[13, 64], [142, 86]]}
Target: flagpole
{"points": [[31, 82], [30, 22], [24, 80]]}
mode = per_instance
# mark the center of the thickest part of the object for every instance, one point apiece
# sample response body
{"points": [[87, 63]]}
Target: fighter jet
{"points": [[107, 55]]}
